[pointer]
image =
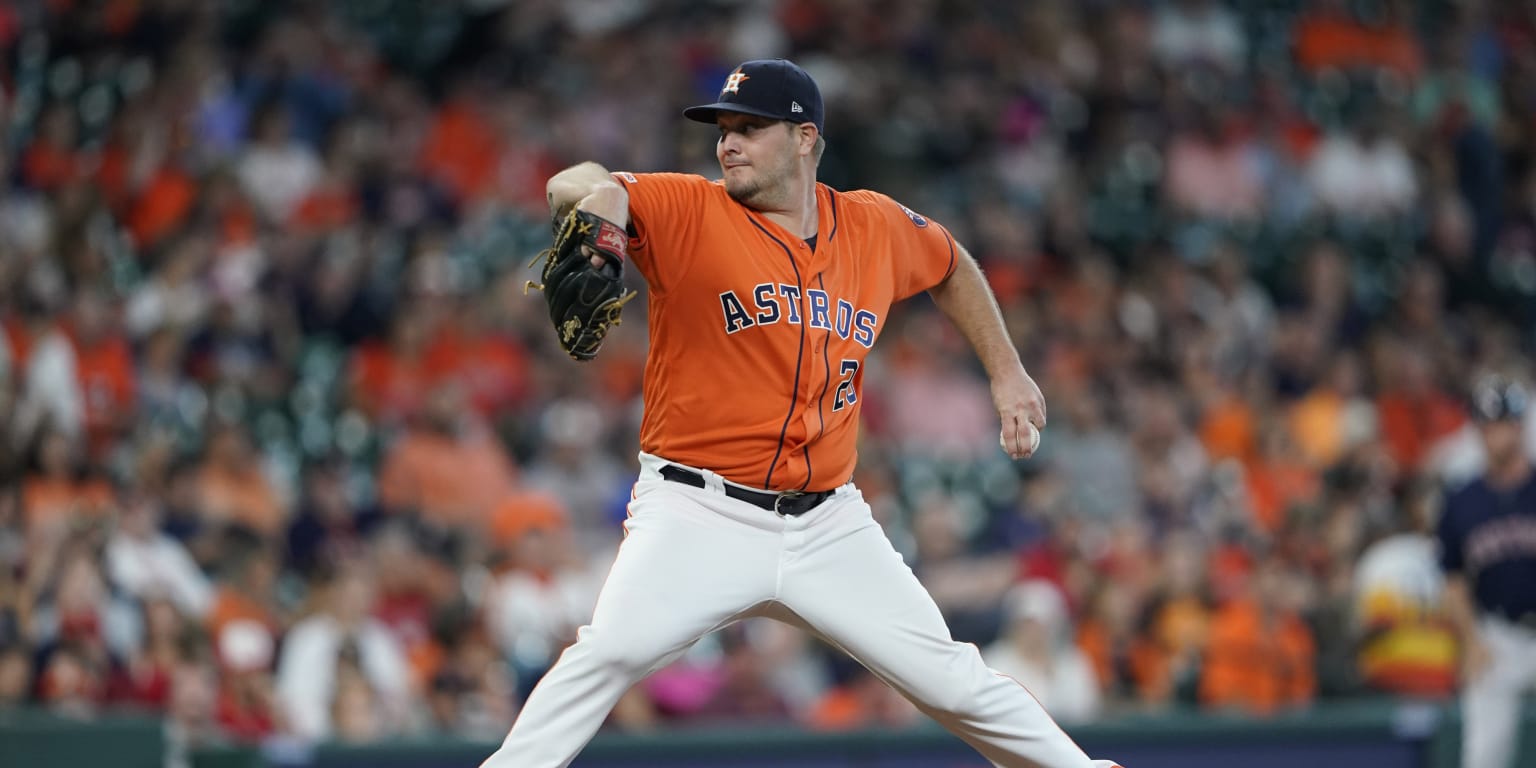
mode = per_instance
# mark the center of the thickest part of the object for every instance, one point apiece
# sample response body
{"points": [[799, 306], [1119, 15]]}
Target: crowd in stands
{"points": [[288, 454]]}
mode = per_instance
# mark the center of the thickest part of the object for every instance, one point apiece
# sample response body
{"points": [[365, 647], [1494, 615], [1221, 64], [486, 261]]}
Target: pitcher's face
{"points": [[757, 158]]}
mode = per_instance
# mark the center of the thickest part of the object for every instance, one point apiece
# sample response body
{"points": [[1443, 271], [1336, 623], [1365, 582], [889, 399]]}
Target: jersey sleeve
{"points": [[664, 211], [1449, 536], [925, 253]]}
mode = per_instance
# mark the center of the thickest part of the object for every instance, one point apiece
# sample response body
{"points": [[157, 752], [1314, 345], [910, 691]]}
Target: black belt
{"points": [[787, 503]]}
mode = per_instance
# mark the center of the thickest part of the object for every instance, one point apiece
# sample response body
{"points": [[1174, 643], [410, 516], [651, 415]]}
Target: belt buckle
{"points": [[779, 499]]}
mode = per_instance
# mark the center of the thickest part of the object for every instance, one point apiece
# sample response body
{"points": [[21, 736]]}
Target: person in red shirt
{"points": [[767, 291], [104, 368]]}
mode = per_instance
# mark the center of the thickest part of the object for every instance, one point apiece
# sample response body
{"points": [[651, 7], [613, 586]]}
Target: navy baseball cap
{"points": [[775, 88]]}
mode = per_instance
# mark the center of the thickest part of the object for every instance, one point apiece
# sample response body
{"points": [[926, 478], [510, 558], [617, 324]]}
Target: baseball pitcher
{"points": [[767, 291]]}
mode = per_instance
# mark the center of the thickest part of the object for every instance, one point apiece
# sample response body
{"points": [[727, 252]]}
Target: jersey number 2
{"points": [[846, 394]]}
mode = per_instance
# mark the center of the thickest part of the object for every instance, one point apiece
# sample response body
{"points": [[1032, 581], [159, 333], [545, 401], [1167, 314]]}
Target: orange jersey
{"points": [[758, 340]]}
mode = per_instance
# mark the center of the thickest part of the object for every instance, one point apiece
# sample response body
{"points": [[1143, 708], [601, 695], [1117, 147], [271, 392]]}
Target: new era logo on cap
{"points": [[775, 88]]}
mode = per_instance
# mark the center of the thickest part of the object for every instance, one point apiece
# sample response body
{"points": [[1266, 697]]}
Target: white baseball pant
{"points": [[1490, 705], [695, 560]]}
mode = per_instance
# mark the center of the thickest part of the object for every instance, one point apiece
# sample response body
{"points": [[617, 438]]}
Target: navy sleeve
{"points": [[1450, 534]]}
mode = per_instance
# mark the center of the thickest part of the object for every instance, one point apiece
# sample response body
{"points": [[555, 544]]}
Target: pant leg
{"points": [[1490, 705], [846, 581], [683, 571]]}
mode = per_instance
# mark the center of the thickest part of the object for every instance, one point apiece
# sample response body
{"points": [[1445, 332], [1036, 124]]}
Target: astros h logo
{"points": [[734, 82]]}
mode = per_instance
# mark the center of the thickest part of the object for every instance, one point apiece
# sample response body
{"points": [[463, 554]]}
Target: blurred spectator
{"points": [[741, 691], [1189, 33], [144, 678], [1212, 173], [1260, 654], [794, 663], [862, 701], [233, 488], [357, 714], [389, 380], [246, 592], [967, 587], [1167, 663], [73, 683], [414, 588], [1278, 478], [934, 406], [53, 159], [46, 364], [546, 590], [1038, 649], [77, 611], [328, 526], [1452, 94], [191, 721], [1413, 408], [236, 344], [1107, 635], [1171, 461], [247, 701], [14, 599], [1333, 417], [167, 397], [1327, 299], [1240, 311], [447, 467], [59, 486], [15, 677], [277, 171], [1095, 458], [340, 668], [472, 693], [1328, 37], [483, 352], [1364, 174], [574, 469], [144, 562], [461, 147], [174, 296]]}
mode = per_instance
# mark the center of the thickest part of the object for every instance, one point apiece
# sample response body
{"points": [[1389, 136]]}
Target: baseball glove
{"points": [[584, 300]]}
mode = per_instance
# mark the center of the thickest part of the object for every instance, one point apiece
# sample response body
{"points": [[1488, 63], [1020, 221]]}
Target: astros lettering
{"points": [[772, 302]]}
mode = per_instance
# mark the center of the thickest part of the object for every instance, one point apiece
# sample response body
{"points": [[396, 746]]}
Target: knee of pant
{"points": [[953, 694], [947, 701], [957, 690]]}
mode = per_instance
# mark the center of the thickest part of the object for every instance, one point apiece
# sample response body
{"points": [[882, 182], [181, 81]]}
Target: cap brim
{"points": [[705, 113]]}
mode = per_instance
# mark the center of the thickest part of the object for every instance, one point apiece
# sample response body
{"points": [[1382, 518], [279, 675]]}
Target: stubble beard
{"points": [[757, 194], [747, 193], [762, 191]]}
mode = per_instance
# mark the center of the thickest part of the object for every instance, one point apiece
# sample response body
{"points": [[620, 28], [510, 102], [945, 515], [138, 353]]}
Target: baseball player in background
{"points": [[767, 290], [1487, 536]]}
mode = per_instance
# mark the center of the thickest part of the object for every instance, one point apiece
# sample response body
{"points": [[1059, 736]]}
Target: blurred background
{"points": [[288, 458]]}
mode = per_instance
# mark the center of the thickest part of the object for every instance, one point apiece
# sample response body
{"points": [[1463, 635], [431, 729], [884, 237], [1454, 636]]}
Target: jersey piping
{"points": [[799, 360], [832, 203], [826, 365]]}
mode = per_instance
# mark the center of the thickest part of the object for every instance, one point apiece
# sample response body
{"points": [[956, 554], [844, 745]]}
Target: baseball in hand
{"points": [[1034, 440]]}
